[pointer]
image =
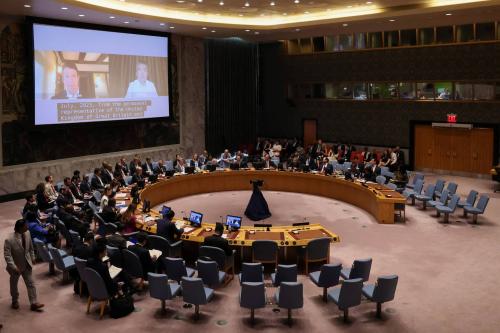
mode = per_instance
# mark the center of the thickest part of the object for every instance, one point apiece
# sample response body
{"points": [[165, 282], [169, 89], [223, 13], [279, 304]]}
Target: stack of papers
{"points": [[155, 253], [114, 271], [188, 229], [120, 195], [149, 218]]}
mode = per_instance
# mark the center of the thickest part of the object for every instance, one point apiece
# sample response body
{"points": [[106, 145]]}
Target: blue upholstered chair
{"points": [[426, 196], [327, 277], [289, 295], [284, 273], [448, 209], [360, 269], [209, 272], [159, 288], [392, 186], [439, 187], [441, 202], [132, 266], [193, 292], [64, 264], [176, 269], [44, 254], [225, 263], [452, 189], [381, 292], [252, 296], [416, 177], [251, 272], [347, 296], [75, 238], [470, 201], [115, 256], [479, 209], [167, 249], [265, 251], [317, 250], [380, 180], [411, 193], [81, 264], [97, 290]]}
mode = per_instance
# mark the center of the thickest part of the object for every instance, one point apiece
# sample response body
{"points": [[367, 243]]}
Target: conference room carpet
{"points": [[448, 274]]}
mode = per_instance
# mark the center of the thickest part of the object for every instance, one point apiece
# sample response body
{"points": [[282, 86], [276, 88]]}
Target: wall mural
{"points": [[24, 143]]}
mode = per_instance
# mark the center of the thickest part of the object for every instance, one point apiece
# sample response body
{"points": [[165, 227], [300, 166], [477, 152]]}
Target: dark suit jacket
{"points": [[83, 251], [117, 240], [136, 178], [85, 187], [218, 241], [106, 177], [145, 168], [160, 170], [168, 230], [109, 214], [95, 184], [101, 268], [146, 261], [76, 191], [370, 175]]}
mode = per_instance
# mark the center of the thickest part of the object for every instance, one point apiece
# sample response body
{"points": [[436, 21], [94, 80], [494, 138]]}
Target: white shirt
{"points": [[394, 158], [136, 89]]}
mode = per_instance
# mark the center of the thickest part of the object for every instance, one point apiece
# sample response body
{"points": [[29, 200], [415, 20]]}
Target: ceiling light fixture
{"points": [[285, 14], [111, 17], [296, 1], [64, 8], [200, 0], [369, 2], [204, 28], [297, 29], [256, 32], [392, 20], [272, 3], [448, 14], [212, 31], [247, 4], [345, 24], [27, 6], [172, 27], [162, 24], [81, 15], [247, 30], [221, 3], [126, 22]]}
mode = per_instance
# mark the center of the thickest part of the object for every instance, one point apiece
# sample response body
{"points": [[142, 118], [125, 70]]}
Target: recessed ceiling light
{"points": [[126, 22], [240, 14], [218, 14], [64, 8], [81, 15], [392, 20], [172, 27], [221, 3], [162, 24], [111, 17], [180, 1], [448, 14], [122, 0], [256, 32], [306, 12], [247, 4], [345, 24], [27, 6], [204, 28], [296, 1], [247, 30], [285, 14], [369, 2], [212, 31], [200, 0], [272, 3], [297, 29]]}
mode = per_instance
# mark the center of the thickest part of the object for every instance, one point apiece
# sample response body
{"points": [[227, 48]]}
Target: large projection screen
{"points": [[86, 75]]}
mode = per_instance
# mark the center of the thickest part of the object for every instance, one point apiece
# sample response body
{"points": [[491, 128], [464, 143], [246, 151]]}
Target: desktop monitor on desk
{"points": [[195, 218], [233, 222]]}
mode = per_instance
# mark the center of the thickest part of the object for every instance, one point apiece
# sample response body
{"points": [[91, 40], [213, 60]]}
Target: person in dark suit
{"points": [[160, 169], [109, 212], [372, 171], [137, 177], [400, 155], [268, 164], [147, 167], [357, 167], [84, 250], [167, 229], [71, 82], [147, 262], [367, 155], [124, 166], [97, 183], [136, 162], [316, 149], [95, 262], [75, 191], [216, 239], [325, 167], [106, 173], [85, 186]]}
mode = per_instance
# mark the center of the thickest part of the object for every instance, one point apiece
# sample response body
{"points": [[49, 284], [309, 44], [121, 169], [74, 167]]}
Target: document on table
{"points": [[120, 195], [114, 271], [155, 253], [188, 229], [224, 236], [129, 243]]}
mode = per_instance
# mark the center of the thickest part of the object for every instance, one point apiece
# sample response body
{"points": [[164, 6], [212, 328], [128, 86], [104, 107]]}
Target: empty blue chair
{"points": [[392, 186], [417, 176], [193, 292], [439, 187], [449, 209], [470, 201], [176, 268], [252, 296], [381, 292], [327, 277], [44, 254], [380, 180], [225, 262], [94, 208], [284, 273], [265, 251], [441, 202], [289, 295], [159, 288], [451, 187], [97, 290], [128, 180], [479, 209], [209, 272], [97, 196], [347, 296], [360, 269], [115, 256], [64, 264], [411, 193], [317, 250], [132, 266], [251, 272], [426, 196]]}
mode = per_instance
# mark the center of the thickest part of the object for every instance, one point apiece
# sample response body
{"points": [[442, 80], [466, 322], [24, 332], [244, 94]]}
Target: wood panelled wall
{"points": [[232, 70]]}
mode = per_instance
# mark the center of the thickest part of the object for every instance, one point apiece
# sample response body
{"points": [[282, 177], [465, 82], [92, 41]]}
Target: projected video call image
{"points": [[98, 75]]}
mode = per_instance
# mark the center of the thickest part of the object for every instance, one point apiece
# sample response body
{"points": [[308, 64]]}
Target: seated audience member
{"points": [[41, 199], [147, 167], [326, 168], [268, 164], [400, 158], [95, 262], [386, 157], [194, 162], [31, 204], [85, 187], [225, 159], [166, 228], [203, 159], [367, 155], [124, 166], [239, 162], [330, 154], [73, 188], [76, 177], [44, 232], [161, 169], [277, 149], [106, 173], [50, 191], [97, 183], [67, 195], [372, 171], [84, 250], [117, 183], [128, 219], [108, 193], [216, 239], [393, 161], [357, 167], [109, 212], [180, 167], [116, 239], [136, 162], [147, 262], [312, 163], [137, 177], [316, 149]]}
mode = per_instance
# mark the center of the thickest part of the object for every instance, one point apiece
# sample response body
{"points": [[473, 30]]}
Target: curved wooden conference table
{"points": [[375, 199]]}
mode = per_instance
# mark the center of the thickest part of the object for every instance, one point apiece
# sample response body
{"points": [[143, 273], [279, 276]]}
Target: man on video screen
{"points": [[71, 82], [141, 87]]}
